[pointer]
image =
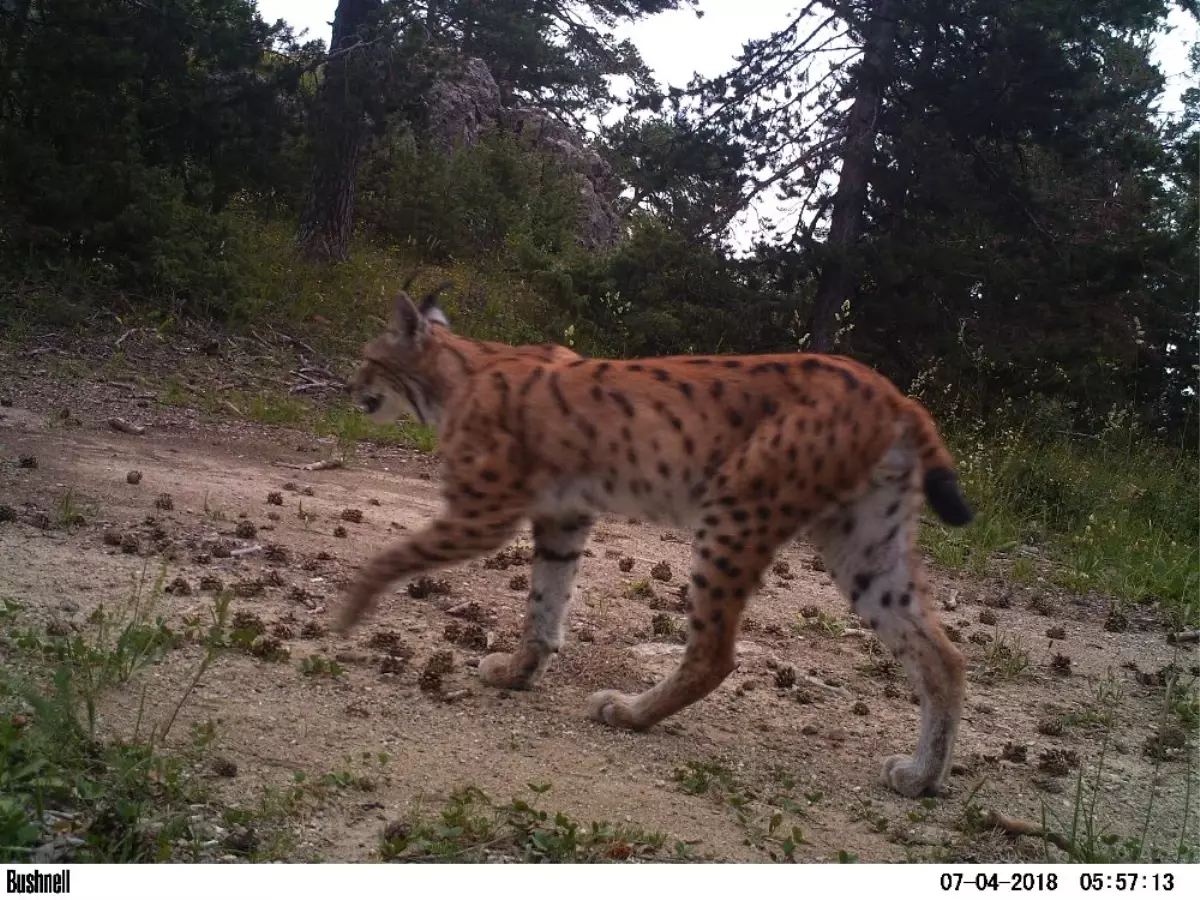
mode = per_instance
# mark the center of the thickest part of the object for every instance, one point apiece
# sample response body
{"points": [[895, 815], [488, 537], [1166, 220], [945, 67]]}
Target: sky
{"points": [[676, 45]]}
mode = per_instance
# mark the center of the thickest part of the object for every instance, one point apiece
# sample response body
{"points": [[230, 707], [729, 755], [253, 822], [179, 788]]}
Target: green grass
{"points": [[761, 815], [113, 799], [1085, 829], [340, 306], [473, 828], [1112, 516]]}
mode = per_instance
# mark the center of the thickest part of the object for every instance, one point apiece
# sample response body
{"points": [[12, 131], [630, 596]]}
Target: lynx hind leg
{"points": [[557, 546], [869, 549]]}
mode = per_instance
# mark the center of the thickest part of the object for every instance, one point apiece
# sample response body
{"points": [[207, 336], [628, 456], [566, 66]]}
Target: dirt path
{"points": [[715, 775]]}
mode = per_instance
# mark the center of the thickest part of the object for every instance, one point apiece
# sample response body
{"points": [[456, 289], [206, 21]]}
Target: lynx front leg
{"points": [[557, 546], [443, 543]]}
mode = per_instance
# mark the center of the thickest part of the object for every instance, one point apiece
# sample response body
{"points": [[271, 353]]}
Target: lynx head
{"points": [[395, 374]]}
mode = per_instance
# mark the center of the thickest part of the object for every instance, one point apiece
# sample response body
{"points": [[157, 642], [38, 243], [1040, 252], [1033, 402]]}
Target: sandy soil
{"points": [[811, 749]]}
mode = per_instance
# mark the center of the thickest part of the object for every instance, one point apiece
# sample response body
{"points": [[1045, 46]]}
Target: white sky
{"points": [[676, 45]]}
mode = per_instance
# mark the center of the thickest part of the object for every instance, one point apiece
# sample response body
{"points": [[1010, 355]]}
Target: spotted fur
{"points": [[748, 452]]}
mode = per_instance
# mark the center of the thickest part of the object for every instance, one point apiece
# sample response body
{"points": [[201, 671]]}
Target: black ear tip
{"points": [[430, 300]]}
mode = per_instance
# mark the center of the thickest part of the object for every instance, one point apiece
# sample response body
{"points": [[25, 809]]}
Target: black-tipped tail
{"points": [[941, 489]]}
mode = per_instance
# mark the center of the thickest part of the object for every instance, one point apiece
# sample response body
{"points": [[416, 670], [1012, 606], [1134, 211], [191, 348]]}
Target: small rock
{"points": [[519, 582], [27, 462], [426, 586], [312, 630], [244, 620], [130, 543], [179, 587], [1117, 621], [267, 647], [276, 553], [860, 709], [246, 530], [1056, 633], [373, 502], [1052, 727], [224, 767], [987, 617], [275, 498], [1166, 743], [248, 588], [662, 625], [625, 564], [164, 502], [340, 531], [661, 571], [1015, 753], [133, 476], [441, 662], [352, 515], [1058, 761]]}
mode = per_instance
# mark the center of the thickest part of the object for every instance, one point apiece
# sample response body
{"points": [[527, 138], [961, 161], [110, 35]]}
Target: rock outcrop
{"points": [[464, 106]]}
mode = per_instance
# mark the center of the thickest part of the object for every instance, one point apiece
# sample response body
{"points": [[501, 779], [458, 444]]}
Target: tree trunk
{"points": [[327, 226], [16, 12], [845, 223]]}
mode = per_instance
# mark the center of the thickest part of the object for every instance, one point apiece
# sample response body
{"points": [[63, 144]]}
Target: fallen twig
{"points": [[1183, 637], [245, 551], [817, 682], [295, 342], [1024, 828], [119, 424], [122, 338], [319, 466], [313, 386]]}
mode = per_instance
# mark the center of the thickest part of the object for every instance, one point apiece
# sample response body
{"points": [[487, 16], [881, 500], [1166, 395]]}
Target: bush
{"points": [[475, 202]]}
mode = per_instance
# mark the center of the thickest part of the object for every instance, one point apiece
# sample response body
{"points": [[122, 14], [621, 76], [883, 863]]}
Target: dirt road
{"points": [[799, 729]]}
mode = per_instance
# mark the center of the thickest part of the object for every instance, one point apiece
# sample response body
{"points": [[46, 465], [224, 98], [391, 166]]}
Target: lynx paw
{"points": [[497, 670], [903, 776], [613, 708]]}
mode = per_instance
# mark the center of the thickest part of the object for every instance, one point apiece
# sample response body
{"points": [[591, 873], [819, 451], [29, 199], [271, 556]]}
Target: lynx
{"points": [[748, 452]]}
